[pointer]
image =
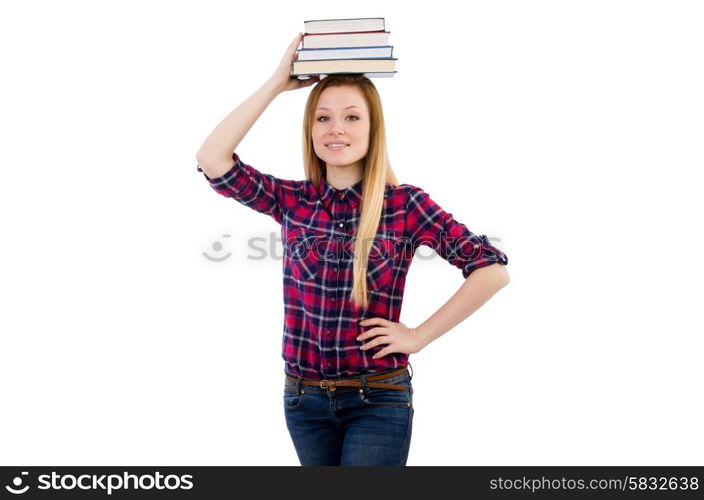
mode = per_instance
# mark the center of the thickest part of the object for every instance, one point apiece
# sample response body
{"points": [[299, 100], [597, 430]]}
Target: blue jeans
{"points": [[350, 425]]}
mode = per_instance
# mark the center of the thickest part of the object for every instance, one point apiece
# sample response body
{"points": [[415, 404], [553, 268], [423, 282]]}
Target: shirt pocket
{"points": [[380, 265], [303, 254]]}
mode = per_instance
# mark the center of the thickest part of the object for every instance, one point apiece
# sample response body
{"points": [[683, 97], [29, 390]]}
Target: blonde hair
{"points": [[377, 171]]}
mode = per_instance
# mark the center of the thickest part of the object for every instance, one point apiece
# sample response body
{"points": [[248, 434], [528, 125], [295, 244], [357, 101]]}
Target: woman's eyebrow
{"points": [[348, 107]]}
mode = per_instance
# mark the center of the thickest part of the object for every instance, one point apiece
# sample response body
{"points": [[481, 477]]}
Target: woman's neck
{"points": [[344, 176]]}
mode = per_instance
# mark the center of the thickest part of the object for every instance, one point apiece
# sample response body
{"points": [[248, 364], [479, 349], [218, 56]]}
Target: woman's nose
{"points": [[336, 128]]}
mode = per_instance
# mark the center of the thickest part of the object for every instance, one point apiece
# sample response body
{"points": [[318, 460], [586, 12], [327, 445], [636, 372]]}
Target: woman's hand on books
{"points": [[282, 79]]}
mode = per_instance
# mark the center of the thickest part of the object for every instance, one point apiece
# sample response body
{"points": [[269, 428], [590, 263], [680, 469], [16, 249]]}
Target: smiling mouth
{"points": [[336, 146]]}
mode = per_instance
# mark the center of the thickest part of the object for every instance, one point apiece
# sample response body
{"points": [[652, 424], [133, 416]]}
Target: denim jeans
{"points": [[350, 425]]}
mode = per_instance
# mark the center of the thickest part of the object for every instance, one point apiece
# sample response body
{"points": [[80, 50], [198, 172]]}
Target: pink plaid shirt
{"points": [[318, 224]]}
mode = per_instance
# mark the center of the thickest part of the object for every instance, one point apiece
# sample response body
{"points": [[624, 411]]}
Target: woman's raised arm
{"points": [[215, 155]]}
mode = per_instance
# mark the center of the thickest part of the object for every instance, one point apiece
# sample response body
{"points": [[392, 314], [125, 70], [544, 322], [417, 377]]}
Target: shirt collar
{"points": [[352, 194]]}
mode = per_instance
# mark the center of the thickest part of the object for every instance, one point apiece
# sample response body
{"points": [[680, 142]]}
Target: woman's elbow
{"points": [[503, 274], [496, 273]]}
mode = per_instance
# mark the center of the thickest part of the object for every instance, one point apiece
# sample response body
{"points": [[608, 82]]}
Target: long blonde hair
{"points": [[377, 171]]}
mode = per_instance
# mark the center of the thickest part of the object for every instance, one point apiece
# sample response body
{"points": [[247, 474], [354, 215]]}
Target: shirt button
{"points": [[342, 224], [333, 299], [335, 269]]}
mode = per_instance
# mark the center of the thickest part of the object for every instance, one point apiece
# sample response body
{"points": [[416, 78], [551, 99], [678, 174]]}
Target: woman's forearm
{"points": [[478, 288], [215, 155]]}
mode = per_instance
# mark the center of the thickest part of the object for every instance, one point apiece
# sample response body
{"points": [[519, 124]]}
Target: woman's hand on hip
{"points": [[397, 337]]}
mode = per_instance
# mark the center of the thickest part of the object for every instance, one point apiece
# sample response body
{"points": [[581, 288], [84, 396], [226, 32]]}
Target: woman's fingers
{"points": [[291, 50], [294, 45], [282, 75], [377, 330], [383, 352], [310, 81], [376, 342]]}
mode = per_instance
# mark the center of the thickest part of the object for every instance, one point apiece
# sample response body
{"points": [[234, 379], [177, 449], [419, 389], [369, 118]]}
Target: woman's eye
{"points": [[320, 118]]}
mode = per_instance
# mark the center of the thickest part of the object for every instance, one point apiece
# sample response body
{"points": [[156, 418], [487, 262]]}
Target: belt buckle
{"points": [[327, 384]]}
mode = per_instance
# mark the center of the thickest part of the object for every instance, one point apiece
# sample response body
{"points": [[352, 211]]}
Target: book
{"points": [[331, 66], [348, 25], [335, 40], [344, 53], [368, 75], [337, 46]]}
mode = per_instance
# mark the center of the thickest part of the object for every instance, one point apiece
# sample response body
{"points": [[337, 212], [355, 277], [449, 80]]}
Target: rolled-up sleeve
{"points": [[428, 224], [245, 184]]}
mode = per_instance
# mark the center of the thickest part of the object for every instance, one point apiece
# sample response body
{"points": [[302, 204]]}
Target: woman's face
{"points": [[341, 126]]}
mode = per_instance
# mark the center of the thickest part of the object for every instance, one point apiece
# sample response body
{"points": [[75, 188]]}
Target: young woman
{"points": [[349, 232]]}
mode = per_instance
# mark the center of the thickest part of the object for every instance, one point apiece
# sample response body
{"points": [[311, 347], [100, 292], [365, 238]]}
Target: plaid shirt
{"points": [[318, 224]]}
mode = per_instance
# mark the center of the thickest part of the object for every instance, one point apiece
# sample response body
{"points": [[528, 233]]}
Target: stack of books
{"points": [[333, 46]]}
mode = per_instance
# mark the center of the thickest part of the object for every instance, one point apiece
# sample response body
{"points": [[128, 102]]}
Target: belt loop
{"points": [[365, 387], [297, 379], [409, 366]]}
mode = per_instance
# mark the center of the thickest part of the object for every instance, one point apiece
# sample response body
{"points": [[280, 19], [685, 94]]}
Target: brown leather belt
{"points": [[331, 385]]}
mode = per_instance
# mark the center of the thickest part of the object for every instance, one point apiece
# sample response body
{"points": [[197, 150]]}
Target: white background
{"points": [[570, 130]]}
